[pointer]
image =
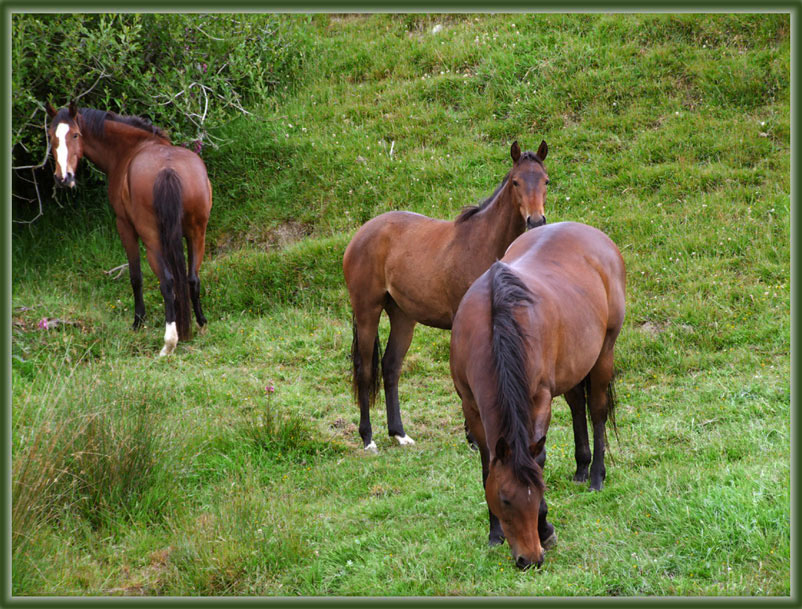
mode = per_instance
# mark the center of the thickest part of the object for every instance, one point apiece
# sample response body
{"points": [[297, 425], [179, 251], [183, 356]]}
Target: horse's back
{"points": [[575, 274], [151, 159], [565, 255], [401, 253]]}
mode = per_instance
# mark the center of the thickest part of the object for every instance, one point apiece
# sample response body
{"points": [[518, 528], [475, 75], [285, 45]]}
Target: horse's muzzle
{"points": [[524, 563], [66, 182], [534, 223]]}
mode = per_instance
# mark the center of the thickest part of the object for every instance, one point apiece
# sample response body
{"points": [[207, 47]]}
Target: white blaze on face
{"points": [[61, 152], [170, 339]]}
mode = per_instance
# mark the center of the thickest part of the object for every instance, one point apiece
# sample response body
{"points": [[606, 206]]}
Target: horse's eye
{"points": [[515, 182], [505, 501], [548, 182], [75, 137]]}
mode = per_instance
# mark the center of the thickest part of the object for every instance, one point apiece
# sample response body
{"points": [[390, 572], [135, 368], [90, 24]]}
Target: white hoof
{"points": [[404, 440], [372, 448], [170, 339]]}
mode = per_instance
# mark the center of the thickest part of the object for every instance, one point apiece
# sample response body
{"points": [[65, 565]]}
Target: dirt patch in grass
{"points": [[656, 328], [269, 238]]}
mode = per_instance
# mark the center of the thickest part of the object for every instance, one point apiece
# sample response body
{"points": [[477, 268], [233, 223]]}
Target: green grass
{"points": [[185, 476]]}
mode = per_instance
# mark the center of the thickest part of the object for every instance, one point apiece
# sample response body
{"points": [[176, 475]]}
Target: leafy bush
{"points": [[187, 73]]}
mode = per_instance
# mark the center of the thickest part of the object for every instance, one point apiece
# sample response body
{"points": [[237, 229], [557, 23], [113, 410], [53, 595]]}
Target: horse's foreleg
{"points": [[402, 328], [545, 530], [131, 246], [496, 536], [576, 400]]}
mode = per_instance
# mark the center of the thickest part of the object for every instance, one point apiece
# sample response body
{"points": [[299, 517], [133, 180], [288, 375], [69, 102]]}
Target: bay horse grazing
{"points": [[160, 194], [417, 269], [539, 323]]}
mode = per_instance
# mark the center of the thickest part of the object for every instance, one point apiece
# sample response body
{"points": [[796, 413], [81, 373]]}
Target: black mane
{"points": [[472, 210], [94, 121], [509, 357]]}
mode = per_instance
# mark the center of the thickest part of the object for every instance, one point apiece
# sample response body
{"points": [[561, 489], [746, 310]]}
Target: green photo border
{"points": [[8, 7]]}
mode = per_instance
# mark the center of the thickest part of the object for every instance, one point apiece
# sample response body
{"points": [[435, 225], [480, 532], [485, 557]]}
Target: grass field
{"points": [[186, 476]]}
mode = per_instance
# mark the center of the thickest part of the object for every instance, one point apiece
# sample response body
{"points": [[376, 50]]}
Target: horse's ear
{"points": [[51, 111], [535, 448], [73, 109], [502, 449], [515, 151], [543, 150]]}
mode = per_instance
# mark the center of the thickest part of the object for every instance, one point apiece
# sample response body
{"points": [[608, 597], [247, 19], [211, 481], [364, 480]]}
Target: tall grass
{"points": [[100, 463]]}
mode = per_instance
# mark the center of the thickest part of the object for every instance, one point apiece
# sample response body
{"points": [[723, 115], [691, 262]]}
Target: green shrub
{"points": [[186, 73]]}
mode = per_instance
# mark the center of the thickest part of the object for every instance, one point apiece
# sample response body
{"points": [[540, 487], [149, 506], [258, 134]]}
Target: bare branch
{"points": [[47, 150], [39, 198], [102, 75], [117, 269], [27, 123], [197, 27]]}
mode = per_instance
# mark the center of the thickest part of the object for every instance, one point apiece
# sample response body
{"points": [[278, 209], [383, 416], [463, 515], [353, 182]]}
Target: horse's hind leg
{"points": [[131, 245], [365, 354], [600, 377], [166, 282], [196, 243], [402, 327], [576, 400]]}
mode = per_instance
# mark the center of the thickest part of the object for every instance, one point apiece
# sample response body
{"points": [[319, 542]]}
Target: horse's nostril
{"points": [[523, 562], [534, 223]]}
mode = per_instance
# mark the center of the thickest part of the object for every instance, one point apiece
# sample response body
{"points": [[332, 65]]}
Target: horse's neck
{"points": [[114, 147], [498, 225]]}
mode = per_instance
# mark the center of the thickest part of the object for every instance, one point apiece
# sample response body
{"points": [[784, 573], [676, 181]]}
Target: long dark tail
{"points": [[507, 292], [356, 367], [169, 209]]}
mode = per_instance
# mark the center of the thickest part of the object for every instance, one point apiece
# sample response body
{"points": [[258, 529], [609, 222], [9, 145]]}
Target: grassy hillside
{"points": [[188, 476]]}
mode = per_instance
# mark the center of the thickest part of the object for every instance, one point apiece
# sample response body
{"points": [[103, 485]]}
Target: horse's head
{"points": [[67, 142], [516, 502], [529, 179]]}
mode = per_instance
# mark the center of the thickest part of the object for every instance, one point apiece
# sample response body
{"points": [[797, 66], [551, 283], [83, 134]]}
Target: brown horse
{"points": [[159, 193], [539, 323], [417, 269]]}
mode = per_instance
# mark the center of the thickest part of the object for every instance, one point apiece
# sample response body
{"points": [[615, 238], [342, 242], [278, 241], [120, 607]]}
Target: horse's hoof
{"points": [[405, 440], [549, 543], [166, 350], [372, 448], [580, 478]]}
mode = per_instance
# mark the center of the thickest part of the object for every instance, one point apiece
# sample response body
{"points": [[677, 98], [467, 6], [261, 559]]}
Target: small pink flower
{"points": [[42, 325], [198, 146], [270, 388]]}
